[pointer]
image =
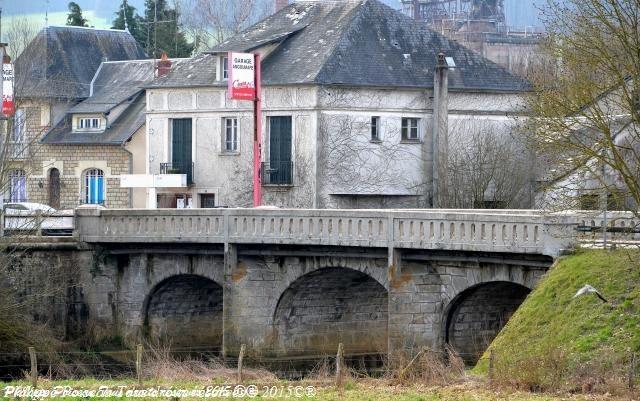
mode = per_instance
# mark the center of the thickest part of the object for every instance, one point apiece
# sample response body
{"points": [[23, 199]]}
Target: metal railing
{"points": [[277, 173], [178, 168]]}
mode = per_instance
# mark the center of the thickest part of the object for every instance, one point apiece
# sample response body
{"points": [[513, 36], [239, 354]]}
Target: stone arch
{"points": [[185, 310], [476, 315], [328, 306], [374, 268]]}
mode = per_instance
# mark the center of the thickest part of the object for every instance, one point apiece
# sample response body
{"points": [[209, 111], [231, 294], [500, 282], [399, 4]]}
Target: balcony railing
{"points": [[278, 173], [178, 168]]}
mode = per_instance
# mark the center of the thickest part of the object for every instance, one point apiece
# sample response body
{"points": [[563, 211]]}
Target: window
{"points": [[93, 188], [225, 67], [589, 202], [207, 201], [19, 120], [230, 134], [375, 128], [17, 186], [89, 123], [17, 145], [410, 130]]}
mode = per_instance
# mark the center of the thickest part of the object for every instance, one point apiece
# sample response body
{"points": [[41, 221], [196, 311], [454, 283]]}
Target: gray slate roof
{"points": [[118, 132], [353, 43], [61, 61], [116, 83]]}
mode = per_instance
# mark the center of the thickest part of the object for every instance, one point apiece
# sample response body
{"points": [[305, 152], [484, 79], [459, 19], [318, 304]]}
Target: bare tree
{"points": [[585, 118], [19, 34], [487, 166], [214, 21]]}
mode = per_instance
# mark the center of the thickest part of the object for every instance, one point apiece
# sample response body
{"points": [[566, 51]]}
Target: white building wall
{"points": [[335, 163]]}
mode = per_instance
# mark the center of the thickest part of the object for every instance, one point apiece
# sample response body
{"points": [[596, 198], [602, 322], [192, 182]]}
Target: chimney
{"points": [[440, 127], [280, 4], [164, 65]]}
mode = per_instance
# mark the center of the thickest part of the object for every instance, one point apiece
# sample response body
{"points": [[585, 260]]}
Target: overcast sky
{"points": [[519, 12]]}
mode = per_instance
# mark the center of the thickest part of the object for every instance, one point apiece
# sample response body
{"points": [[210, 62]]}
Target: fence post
{"points": [[632, 371], [139, 363], [240, 360], [39, 221], [34, 367], [339, 357]]}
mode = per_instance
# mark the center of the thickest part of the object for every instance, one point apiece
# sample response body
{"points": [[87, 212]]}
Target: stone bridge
{"points": [[294, 283]]}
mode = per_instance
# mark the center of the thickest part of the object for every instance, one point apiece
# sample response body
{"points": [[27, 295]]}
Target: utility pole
{"points": [[439, 137]]}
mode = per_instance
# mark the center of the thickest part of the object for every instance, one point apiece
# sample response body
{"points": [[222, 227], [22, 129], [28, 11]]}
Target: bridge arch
{"points": [[476, 315], [328, 306], [185, 310]]}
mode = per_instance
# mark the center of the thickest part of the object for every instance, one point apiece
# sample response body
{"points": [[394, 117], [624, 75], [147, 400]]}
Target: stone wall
{"points": [[284, 302], [479, 314], [185, 311], [326, 307], [71, 160]]}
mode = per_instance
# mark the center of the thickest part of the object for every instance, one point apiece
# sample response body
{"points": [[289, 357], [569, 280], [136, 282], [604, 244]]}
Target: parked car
{"points": [[29, 218]]}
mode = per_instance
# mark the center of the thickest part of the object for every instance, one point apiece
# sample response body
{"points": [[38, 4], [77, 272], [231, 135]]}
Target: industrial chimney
{"points": [[280, 4]]}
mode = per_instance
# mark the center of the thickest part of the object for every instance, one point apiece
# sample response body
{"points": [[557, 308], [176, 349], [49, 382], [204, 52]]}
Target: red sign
{"points": [[242, 84], [8, 107]]}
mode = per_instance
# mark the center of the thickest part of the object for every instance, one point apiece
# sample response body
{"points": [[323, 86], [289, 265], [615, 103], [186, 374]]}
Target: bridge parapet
{"points": [[506, 231]]}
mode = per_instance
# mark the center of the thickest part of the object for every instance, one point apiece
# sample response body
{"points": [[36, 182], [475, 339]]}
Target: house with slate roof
{"points": [[64, 161], [348, 106]]}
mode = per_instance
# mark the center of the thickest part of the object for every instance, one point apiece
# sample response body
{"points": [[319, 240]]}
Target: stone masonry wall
{"points": [[73, 161], [479, 314], [329, 306], [186, 311], [285, 306]]}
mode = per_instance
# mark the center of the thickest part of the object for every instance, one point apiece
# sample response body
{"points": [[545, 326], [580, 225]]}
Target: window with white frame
{"points": [[93, 187], [17, 186], [18, 131], [410, 129], [224, 67], [89, 123], [230, 137]]}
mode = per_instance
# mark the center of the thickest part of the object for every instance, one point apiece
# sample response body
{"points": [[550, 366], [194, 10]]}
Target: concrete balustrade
{"points": [[509, 231]]}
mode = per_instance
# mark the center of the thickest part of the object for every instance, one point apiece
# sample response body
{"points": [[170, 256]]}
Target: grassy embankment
{"points": [[557, 342]]}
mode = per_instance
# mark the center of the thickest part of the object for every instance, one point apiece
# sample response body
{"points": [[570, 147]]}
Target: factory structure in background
{"points": [[481, 26]]}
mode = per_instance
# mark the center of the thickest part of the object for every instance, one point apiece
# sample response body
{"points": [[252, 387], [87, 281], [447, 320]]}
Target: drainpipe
{"points": [[439, 141], [123, 146]]}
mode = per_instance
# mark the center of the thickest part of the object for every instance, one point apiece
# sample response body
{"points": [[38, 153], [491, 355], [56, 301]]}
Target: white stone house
{"points": [[347, 108]]}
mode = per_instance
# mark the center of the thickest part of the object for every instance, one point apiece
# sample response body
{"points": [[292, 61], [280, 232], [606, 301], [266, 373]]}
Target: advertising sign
{"points": [[242, 76], [8, 107]]}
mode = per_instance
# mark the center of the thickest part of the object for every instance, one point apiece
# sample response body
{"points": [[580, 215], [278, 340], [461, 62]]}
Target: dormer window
{"points": [[88, 123]]}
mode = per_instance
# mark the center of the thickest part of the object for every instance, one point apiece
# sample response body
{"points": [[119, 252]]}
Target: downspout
{"points": [[122, 145]]}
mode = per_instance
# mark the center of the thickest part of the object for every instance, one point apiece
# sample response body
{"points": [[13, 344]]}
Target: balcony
{"points": [[178, 168], [278, 173]]}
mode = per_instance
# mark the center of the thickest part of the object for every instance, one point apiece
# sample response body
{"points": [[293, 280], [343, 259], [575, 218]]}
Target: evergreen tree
{"points": [[75, 18], [161, 32], [133, 22]]}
